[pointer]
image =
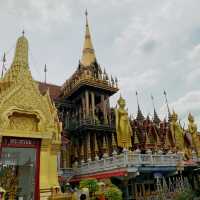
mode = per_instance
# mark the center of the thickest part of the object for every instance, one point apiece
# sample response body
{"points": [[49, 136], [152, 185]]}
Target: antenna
{"points": [[45, 73]]}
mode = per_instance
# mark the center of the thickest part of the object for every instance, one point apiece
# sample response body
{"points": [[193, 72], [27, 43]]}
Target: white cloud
{"points": [[149, 45], [194, 54]]}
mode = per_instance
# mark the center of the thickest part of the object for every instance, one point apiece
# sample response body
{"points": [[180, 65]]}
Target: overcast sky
{"points": [[150, 45]]}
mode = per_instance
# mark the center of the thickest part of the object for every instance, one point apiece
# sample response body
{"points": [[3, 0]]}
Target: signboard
{"points": [[20, 141]]}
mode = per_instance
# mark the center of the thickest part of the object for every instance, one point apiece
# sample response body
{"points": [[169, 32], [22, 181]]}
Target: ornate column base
{"points": [[53, 194], [45, 194]]}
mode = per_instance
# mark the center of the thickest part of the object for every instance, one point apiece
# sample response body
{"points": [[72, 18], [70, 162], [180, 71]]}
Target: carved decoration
{"points": [[23, 122], [22, 106]]}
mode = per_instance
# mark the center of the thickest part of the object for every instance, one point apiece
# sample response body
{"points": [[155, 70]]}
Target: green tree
{"points": [[91, 184], [113, 193]]}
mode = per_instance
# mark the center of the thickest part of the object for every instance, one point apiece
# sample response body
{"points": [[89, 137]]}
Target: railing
{"points": [[129, 160]]}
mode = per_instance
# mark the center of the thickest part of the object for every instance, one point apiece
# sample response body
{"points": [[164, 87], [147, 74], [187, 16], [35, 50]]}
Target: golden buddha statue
{"points": [[123, 127], [177, 133], [192, 129]]}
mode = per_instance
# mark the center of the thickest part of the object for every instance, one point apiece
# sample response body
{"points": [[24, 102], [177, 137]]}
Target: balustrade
{"points": [[125, 160], [129, 159]]}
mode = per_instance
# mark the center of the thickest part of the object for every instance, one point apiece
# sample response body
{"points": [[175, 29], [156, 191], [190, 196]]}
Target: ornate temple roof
{"points": [[156, 119], [89, 72], [140, 116]]}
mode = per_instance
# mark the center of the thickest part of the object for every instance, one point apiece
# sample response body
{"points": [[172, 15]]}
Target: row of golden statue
{"points": [[184, 141]]}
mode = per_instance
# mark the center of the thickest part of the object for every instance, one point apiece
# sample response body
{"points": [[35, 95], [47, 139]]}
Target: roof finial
{"points": [[136, 93], [166, 101], [45, 73], [88, 53], [140, 116], [3, 65], [152, 99], [155, 117], [23, 32], [86, 16]]}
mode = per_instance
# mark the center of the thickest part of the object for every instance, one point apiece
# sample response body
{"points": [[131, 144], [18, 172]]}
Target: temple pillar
{"points": [[85, 148], [80, 151], [103, 101], [87, 103], [96, 149], [93, 105], [88, 147], [108, 110], [45, 187], [65, 158], [83, 106], [53, 168]]}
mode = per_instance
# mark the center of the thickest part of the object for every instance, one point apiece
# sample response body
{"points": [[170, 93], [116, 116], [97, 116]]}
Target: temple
{"points": [[52, 135], [87, 115], [30, 132], [144, 156]]}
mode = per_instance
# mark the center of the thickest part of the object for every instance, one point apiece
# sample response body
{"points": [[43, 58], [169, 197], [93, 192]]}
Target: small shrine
{"points": [[29, 132]]}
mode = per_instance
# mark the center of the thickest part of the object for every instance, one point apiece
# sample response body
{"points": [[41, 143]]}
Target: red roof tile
{"points": [[54, 90]]}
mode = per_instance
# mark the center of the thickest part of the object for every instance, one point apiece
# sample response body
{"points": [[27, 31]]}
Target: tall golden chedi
{"points": [[29, 123]]}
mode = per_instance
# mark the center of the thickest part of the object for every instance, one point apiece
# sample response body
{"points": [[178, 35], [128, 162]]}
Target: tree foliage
{"points": [[91, 184], [113, 193]]}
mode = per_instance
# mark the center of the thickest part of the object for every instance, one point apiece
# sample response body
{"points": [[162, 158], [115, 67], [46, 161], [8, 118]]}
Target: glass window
{"points": [[22, 161]]}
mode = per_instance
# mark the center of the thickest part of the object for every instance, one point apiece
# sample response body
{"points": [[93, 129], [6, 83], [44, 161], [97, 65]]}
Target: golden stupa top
{"points": [[88, 53], [20, 64]]}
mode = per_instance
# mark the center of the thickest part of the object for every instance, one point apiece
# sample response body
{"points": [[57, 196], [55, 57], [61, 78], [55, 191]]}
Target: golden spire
{"points": [[21, 52], [88, 53], [20, 65]]}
